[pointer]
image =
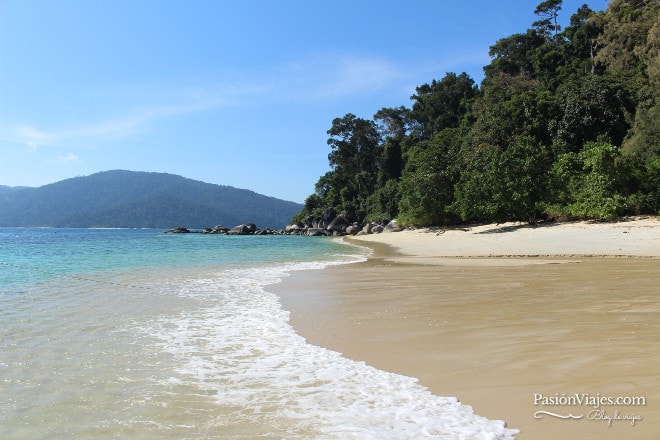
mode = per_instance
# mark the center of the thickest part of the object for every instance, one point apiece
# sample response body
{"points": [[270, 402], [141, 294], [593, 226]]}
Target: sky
{"points": [[237, 93]]}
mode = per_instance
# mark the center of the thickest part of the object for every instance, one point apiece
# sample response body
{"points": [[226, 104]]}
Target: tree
{"points": [[564, 121], [427, 184], [441, 104], [393, 126], [393, 122], [511, 106], [354, 158], [592, 107], [504, 185], [383, 203], [512, 55], [587, 183], [548, 11], [582, 42]]}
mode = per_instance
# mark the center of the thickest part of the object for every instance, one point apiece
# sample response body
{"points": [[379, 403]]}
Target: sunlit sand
{"points": [[496, 315]]}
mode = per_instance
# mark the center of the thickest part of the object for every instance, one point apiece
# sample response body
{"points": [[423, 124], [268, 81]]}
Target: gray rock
{"points": [[179, 230], [377, 229], [338, 224], [353, 229], [393, 226], [246, 229], [294, 227]]}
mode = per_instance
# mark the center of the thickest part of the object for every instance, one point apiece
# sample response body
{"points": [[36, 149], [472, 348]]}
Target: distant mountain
{"points": [[5, 189], [129, 199]]}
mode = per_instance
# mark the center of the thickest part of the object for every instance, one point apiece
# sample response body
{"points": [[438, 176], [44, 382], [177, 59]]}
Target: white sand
{"points": [[635, 237], [494, 331]]}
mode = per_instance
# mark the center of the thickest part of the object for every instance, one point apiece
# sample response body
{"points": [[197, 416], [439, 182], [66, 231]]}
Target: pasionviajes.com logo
{"points": [[590, 407]]}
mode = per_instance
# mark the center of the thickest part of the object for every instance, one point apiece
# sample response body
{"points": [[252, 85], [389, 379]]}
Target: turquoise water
{"points": [[142, 335], [38, 254]]}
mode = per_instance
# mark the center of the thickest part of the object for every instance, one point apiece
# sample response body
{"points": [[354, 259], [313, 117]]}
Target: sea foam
{"points": [[238, 346]]}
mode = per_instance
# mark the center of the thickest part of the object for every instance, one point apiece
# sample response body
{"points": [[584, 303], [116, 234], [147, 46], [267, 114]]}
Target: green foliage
{"points": [[588, 182], [504, 185], [479, 191], [565, 123], [383, 203], [548, 11], [592, 107], [427, 184], [441, 104]]}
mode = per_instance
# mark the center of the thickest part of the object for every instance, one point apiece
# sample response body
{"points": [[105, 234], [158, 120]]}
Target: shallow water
{"points": [[137, 334]]}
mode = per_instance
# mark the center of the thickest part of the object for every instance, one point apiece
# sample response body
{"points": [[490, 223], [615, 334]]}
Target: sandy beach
{"points": [[552, 328]]}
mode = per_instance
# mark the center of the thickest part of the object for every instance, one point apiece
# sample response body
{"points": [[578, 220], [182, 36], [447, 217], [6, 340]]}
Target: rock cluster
{"points": [[331, 224], [328, 224], [244, 229]]}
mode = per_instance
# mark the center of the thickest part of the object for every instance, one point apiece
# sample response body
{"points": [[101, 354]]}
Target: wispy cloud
{"points": [[317, 78], [130, 123], [68, 158], [322, 77]]}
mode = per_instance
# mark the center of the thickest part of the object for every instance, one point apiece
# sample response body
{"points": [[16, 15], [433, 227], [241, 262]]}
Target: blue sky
{"points": [[236, 93]]}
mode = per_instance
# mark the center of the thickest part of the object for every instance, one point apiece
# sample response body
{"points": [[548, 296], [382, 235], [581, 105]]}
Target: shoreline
{"points": [[497, 331]]}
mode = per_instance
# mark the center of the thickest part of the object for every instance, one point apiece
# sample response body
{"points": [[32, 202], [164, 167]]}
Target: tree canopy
{"points": [[565, 124]]}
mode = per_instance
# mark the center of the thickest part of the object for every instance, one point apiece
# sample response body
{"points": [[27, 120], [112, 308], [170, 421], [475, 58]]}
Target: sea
{"points": [[136, 334]]}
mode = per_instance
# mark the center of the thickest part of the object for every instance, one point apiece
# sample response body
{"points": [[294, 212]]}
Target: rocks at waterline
{"points": [[328, 224], [244, 229]]}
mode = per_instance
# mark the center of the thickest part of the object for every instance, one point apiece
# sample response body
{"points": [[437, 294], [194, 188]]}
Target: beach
{"points": [[552, 328]]}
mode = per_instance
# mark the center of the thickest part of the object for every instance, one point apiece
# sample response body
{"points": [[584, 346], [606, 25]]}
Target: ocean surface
{"points": [[142, 335]]}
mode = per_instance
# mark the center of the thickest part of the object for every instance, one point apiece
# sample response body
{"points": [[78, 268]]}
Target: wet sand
{"points": [[499, 333]]}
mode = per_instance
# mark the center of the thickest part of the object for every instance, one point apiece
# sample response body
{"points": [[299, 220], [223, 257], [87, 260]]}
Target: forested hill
{"points": [[128, 199], [565, 124]]}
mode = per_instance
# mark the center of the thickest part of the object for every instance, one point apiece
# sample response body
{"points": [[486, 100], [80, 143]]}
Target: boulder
{"points": [[368, 228], [179, 230], [353, 229], [252, 228], [294, 227], [328, 216], [246, 229], [309, 221], [338, 224], [393, 226], [376, 229], [317, 232]]}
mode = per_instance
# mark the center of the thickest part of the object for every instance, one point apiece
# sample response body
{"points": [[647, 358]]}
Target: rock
{"points": [[317, 232], [377, 229], [179, 230], [353, 229], [393, 226], [294, 227], [309, 221], [338, 224], [369, 228], [246, 229], [328, 216]]}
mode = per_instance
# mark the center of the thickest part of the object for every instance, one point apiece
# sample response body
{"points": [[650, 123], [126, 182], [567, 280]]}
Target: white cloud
{"points": [[335, 76], [131, 122], [68, 158], [319, 77]]}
